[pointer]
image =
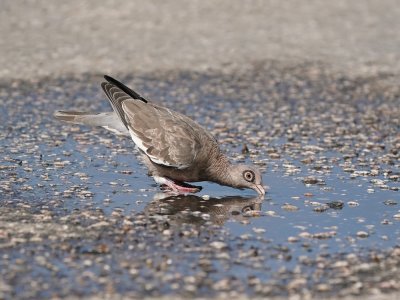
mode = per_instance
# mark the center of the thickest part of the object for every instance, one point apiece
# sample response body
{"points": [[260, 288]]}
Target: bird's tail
{"points": [[108, 120]]}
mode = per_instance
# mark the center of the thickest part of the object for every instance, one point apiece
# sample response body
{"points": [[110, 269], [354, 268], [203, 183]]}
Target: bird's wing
{"points": [[168, 138], [165, 136], [117, 93]]}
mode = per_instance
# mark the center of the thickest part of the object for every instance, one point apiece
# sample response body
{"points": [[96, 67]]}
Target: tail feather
{"points": [[76, 117], [107, 120], [114, 121]]}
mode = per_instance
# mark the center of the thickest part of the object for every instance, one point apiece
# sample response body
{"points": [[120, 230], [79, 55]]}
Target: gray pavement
{"points": [[41, 38]]}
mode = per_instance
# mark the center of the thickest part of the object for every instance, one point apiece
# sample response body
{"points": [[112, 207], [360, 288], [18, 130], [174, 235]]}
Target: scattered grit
{"points": [[61, 234]]}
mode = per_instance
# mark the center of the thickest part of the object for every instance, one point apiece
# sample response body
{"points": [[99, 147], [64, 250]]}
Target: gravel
{"points": [[80, 217], [306, 91]]}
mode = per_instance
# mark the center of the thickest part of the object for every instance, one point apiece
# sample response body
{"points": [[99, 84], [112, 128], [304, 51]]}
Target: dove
{"points": [[175, 149]]}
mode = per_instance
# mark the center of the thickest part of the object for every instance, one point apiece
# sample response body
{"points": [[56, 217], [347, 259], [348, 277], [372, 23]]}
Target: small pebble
{"points": [[390, 202], [352, 203], [218, 245], [362, 234], [289, 207]]}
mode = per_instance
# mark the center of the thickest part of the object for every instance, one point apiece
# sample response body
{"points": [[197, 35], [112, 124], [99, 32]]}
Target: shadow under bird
{"points": [[175, 149]]}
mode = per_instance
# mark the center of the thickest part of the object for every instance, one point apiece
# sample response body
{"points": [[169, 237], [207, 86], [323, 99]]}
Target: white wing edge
{"points": [[139, 143]]}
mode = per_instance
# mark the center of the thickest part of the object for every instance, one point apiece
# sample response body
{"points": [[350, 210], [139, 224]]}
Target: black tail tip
{"points": [[108, 78], [124, 88]]}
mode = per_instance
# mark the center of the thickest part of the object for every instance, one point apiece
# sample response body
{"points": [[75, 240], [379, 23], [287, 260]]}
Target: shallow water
{"points": [[79, 176]]}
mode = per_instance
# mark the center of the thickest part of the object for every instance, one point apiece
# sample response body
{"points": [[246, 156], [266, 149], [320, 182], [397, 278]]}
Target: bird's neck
{"points": [[220, 170]]}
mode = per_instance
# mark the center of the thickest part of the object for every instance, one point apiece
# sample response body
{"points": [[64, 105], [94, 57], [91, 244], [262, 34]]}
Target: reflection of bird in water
{"points": [[196, 210]]}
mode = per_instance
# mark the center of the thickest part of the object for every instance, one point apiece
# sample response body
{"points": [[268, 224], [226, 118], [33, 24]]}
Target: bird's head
{"points": [[244, 176]]}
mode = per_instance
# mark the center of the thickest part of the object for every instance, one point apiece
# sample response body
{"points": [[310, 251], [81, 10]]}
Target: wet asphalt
{"points": [[80, 217], [308, 93]]}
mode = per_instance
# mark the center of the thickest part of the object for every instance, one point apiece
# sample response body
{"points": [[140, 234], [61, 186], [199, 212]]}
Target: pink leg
{"points": [[169, 185]]}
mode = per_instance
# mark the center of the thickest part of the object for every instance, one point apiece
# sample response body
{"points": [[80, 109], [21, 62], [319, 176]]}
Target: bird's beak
{"points": [[259, 189]]}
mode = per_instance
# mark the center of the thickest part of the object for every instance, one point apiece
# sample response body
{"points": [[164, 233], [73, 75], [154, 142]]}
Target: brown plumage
{"points": [[174, 147]]}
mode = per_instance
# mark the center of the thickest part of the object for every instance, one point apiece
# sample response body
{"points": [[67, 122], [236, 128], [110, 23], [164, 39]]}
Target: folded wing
{"points": [[168, 138], [163, 135]]}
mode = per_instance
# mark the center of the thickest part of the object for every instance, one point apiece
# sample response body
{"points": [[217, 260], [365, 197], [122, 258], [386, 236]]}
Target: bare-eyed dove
{"points": [[175, 149]]}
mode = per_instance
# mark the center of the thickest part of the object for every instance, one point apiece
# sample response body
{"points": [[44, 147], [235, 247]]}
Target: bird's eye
{"points": [[247, 209], [249, 176]]}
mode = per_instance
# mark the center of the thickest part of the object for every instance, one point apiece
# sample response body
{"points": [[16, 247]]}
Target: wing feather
{"points": [[117, 93], [167, 137], [162, 134]]}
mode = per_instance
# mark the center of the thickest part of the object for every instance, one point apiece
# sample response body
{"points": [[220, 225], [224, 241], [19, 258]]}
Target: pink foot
{"points": [[169, 185]]}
